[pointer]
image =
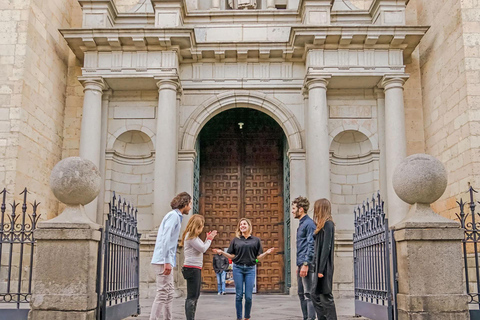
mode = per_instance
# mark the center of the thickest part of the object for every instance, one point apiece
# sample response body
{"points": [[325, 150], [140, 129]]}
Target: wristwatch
{"points": [[305, 263]]}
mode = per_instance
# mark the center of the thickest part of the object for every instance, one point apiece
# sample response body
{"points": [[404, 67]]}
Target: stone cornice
{"points": [[300, 40]]}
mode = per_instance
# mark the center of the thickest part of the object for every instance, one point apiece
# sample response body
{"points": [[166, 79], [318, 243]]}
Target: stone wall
{"points": [[34, 60], [448, 56]]}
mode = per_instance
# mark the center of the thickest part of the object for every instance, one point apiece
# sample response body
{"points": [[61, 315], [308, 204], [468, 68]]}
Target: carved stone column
{"points": [[395, 141], [165, 149], [91, 130], [317, 139]]}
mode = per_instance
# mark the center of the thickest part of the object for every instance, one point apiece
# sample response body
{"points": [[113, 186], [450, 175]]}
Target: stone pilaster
{"points": [[395, 141], [297, 188], [165, 149], [380, 96], [317, 139]]}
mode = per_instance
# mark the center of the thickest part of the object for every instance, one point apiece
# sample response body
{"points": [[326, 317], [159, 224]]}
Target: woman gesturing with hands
{"points": [[245, 251], [194, 248]]}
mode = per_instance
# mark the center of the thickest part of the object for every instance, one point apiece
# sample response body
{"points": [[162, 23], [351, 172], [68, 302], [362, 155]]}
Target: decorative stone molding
{"points": [[168, 13], [388, 12], [94, 84], [296, 154], [316, 12], [393, 81], [187, 155], [246, 99], [290, 46], [98, 13]]}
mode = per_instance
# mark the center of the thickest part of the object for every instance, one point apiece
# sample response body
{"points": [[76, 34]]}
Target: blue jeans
{"points": [[243, 275], [221, 281]]}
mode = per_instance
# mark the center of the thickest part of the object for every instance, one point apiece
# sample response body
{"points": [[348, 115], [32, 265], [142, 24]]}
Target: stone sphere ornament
{"points": [[420, 178], [75, 181]]}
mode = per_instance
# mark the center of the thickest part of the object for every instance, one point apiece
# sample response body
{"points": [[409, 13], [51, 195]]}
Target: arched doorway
{"points": [[242, 175]]}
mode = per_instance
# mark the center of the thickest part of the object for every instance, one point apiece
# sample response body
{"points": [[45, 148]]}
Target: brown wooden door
{"points": [[241, 175]]}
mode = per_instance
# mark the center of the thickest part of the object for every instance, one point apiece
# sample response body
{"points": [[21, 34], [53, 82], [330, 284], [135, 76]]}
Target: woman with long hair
{"points": [[245, 250], [324, 236], [194, 248]]}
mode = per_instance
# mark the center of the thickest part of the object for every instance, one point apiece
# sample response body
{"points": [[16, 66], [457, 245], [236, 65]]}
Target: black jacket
{"points": [[220, 263], [324, 252]]}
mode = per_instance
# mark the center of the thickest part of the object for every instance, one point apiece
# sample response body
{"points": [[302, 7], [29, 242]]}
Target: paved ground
{"points": [[265, 307]]}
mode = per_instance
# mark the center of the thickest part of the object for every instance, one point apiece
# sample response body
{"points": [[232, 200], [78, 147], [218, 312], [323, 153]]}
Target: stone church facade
{"points": [[243, 104]]}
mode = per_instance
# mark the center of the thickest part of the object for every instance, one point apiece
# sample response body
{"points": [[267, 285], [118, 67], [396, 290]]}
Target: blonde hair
{"points": [[322, 212], [238, 233], [194, 228]]}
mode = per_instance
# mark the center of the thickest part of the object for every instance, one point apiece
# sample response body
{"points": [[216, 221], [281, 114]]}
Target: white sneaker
{"points": [[219, 293]]}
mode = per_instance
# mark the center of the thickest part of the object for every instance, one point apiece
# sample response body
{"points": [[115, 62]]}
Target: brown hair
{"points": [[194, 228], [322, 212], [238, 233], [180, 201], [302, 202]]}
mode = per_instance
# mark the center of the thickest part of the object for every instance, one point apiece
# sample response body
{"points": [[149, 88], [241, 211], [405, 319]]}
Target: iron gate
{"points": [[374, 254], [470, 224], [118, 263], [16, 246]]}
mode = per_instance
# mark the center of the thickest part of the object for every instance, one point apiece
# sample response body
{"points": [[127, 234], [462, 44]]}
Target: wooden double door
{"points": [[241, 175]]}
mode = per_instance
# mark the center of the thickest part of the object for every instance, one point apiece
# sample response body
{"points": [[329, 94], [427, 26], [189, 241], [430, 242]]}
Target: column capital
{"points": [[320, 81], [393, 81], [168, 84], [93, 83], [187, 155]]}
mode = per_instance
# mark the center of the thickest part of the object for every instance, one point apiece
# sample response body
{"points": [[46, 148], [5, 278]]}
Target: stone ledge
{"points": [[436, 303], [67, 234], [445, 233]]}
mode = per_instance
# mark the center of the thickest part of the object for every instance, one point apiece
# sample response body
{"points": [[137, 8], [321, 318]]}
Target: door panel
{"points": [[241, 175]]}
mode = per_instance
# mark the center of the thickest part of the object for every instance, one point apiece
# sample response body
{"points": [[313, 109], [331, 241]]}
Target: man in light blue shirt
{"points": [[164, 255]]}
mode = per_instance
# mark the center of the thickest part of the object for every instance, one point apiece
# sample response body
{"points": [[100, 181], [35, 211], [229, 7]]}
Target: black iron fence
{"points": [[16, 256], [118, 264], [470, 222], [374, 256]]}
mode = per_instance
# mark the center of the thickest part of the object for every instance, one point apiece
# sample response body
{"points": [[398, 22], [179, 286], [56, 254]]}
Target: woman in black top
{"points": [[324, 252], [245, 250]]}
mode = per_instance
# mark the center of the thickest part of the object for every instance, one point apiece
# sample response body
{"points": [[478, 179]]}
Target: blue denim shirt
{"points": [[305, 242]]}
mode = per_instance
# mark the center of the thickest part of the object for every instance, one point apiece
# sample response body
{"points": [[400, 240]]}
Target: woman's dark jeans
{"points": [[194, 283], [243, 275]]}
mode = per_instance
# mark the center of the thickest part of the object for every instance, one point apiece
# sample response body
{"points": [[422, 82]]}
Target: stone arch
{"points": [[242, 99], [129, 127], [350, 143], [355, 126]]}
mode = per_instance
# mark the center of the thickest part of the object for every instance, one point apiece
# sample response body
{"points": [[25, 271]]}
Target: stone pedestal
{"points": [[65, 272], [65, 261], [429, 252]]}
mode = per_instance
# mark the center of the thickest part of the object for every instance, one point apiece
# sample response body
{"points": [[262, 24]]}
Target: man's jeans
{"points": [[221, 281], [162, 305], [243, 274], [304, 292]]}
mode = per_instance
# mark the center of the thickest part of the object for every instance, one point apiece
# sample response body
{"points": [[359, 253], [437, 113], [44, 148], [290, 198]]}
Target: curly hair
{"points": [[181, 200], [302, 202]]}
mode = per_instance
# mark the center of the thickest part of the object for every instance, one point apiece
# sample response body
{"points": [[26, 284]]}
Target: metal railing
{"points": [[372, 248], [118, 267], [16, 255], [470, 223]]}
